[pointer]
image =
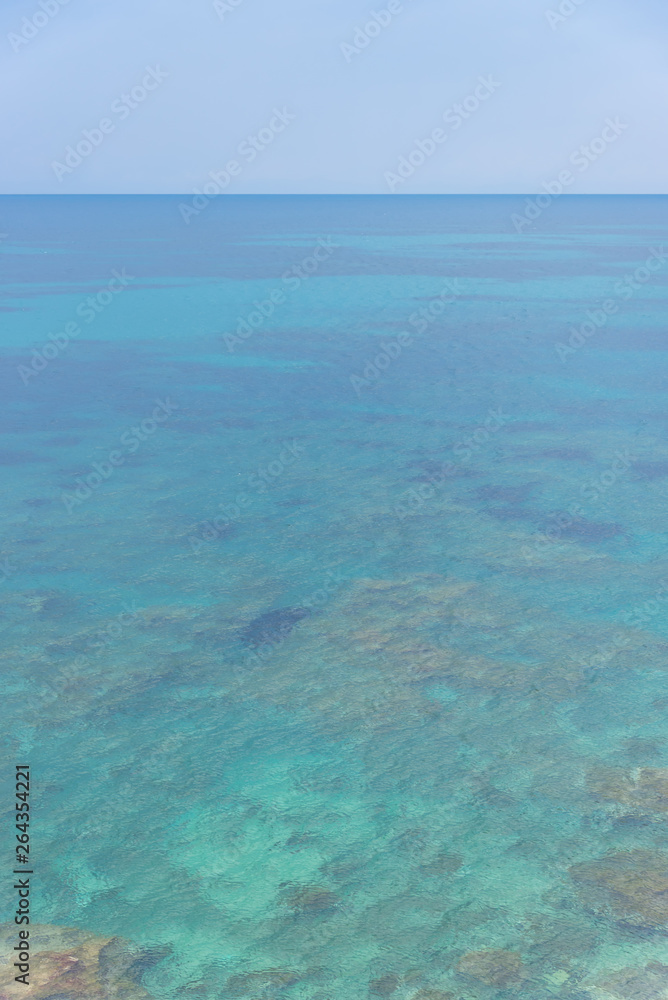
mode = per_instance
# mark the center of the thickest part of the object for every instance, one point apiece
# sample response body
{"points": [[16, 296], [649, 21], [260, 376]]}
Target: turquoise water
{"points": [[335, 632]]}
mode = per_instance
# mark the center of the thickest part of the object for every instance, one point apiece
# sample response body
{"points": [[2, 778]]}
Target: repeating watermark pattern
{"points": [[591, 492], [372, 371], [31, 26], [378, 21], [637, 617], [415, 499], [597, 318], [292, 280], [565, 10], [122, 107], [110, 633], [454, 117], [102, 639], [258, 482], [223, 7], [425, 315], [249, 149], [130, 441], [259, 654], [582, 158], [561, 522], [88, 311], [391, 350]]}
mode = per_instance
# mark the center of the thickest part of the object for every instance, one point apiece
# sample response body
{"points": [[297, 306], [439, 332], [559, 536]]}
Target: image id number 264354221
{"points": [[22, 885]]}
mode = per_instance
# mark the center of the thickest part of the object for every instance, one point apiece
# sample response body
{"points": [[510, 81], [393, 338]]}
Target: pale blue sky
{"points": [[355, 112]]}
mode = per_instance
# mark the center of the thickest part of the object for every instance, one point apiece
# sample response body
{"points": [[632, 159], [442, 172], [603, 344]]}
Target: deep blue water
{"points": [[335, 586]]}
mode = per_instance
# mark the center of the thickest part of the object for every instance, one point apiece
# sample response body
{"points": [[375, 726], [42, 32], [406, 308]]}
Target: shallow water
{"points": [[346, 675]]}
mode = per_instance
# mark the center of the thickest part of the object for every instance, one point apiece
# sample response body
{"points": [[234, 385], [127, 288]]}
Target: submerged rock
{"points": [[443, 864], [505, 494], [8, 457], [254, 983], [641, 750], [116, 959], [75, 964], [272, 626], [310, 899], [650, 983], [644, 789], [512, 513], [566, 454], [650, 471], [493, 967], [631, 885], [429, 994], [582, 530], [559, 941], [50, 603], [384, 987]]}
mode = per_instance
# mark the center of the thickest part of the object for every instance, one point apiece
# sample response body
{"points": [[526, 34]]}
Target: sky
{"points": [[334, 96]]}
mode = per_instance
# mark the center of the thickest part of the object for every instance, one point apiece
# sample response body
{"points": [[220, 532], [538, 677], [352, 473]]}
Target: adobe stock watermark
{"points": [[251, 147], [591, 492], [415, 498], [582, 158], [378, 21], [392, 349], [130, 440], [565, 10], [624, 290], [103, 638], [223, 7], [454, 117], [122, 107], [88, 311], [638, 617], [292, 280], [110, 633], [258, 482], [31, 26]]}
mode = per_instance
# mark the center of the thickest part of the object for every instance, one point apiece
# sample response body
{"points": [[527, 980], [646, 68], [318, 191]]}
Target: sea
{"points": [[334, 590]]}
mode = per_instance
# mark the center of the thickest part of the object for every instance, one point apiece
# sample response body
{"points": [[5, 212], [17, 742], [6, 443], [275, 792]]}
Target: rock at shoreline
{"points": [[74, 964]]}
